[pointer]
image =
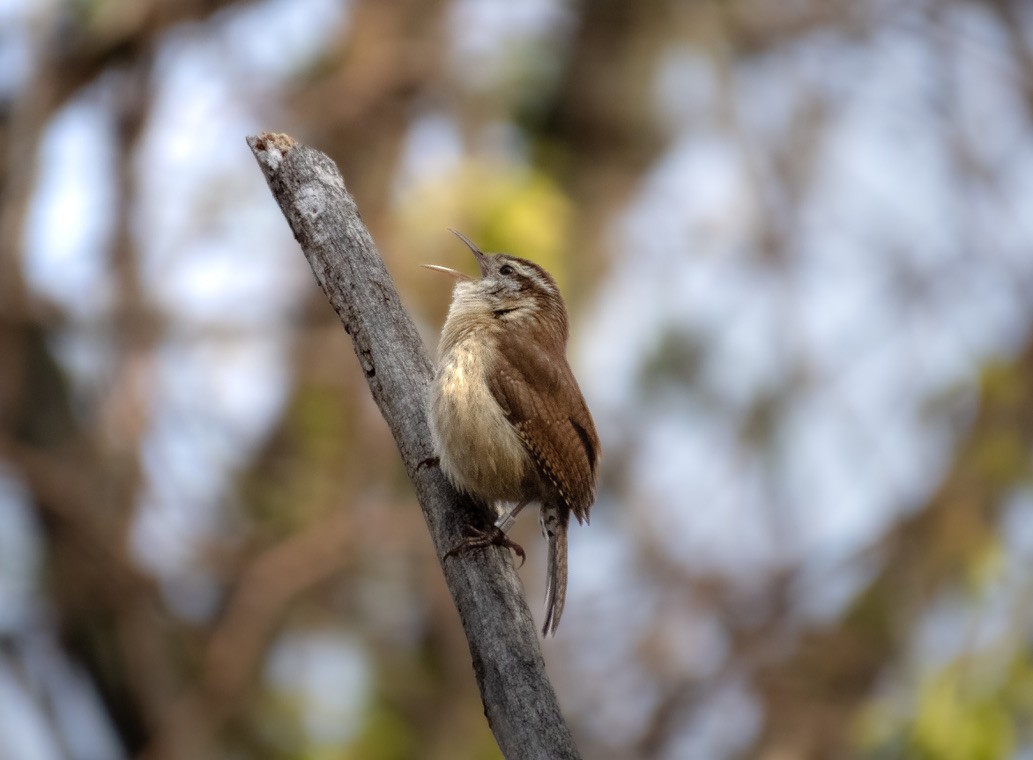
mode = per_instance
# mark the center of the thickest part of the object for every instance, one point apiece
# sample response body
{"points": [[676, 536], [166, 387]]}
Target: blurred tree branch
{"points": [[519, 701], [266, 586], [121, 36], [813, 696]]}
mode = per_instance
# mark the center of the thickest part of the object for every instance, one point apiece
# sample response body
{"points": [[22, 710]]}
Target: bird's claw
{"points": [[478, 539]]}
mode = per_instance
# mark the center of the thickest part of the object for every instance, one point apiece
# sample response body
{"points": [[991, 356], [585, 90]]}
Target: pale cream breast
{"points": [[478, 449]]}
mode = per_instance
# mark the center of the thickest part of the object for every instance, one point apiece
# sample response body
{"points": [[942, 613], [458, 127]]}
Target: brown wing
{"points": [[542, 400]]}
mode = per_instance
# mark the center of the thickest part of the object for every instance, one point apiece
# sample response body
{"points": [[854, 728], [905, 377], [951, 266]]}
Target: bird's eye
{"points": [[505, 269]]}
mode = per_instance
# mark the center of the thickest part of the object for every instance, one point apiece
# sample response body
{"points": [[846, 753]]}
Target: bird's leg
{"points": [[478, 539], [506, 519], [494, 536]]}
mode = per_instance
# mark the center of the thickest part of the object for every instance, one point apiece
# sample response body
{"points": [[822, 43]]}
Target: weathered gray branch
{"points": [[518, 699]]}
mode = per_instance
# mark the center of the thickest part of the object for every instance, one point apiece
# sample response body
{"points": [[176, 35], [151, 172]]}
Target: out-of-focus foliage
{"points": [[795, 242]]}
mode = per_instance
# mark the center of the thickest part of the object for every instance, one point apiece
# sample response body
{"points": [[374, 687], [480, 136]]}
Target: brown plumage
{"points": [[508, 419]]}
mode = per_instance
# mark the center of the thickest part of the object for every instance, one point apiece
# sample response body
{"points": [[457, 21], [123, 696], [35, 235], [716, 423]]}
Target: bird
{"points": [[509, 423]]}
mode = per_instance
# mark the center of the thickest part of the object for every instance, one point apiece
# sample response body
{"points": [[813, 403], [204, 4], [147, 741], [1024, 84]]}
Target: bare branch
{"points": [[519, 701]]}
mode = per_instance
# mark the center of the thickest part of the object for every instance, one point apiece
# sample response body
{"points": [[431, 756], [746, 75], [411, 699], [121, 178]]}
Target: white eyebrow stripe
{"points": [[537, 275]]}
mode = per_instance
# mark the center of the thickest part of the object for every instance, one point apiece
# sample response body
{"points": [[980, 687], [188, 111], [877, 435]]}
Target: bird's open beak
{"points": [[450, 272], [481, 257]]}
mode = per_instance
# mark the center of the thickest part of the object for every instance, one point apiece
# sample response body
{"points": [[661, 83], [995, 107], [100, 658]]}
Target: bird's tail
{"points": [[554, 526]]}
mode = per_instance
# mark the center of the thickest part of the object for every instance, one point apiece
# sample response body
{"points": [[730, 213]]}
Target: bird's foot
{"points": [[478, 539]]}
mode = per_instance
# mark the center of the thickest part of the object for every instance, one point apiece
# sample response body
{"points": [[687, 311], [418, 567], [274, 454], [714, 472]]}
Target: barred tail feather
{"points": [[555, 529]]}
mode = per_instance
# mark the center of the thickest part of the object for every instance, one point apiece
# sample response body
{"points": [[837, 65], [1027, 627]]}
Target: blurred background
{"points": [[796, 240]]}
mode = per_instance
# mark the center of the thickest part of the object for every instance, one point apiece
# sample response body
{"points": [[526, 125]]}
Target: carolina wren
{"points": [[508, 419]]}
